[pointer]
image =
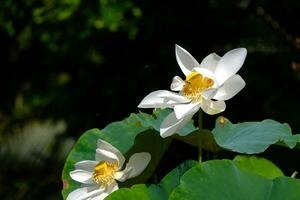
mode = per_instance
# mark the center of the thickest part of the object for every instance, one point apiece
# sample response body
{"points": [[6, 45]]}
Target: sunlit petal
{"points": [[210, 62], [209, 93], [171, 124], [103, 155], [110, 189], [101, 144], [93, 194], [177, 83], [162, 99], [84, 193], [185, 60], [213, 107], [82, 176], [205, 72], [230, 88], [182, 110], [87, 165], [229, 64], [136, 164]]}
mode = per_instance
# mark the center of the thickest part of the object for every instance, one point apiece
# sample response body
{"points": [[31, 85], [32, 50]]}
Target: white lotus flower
{"points": [[99, 177], [207, 86]]}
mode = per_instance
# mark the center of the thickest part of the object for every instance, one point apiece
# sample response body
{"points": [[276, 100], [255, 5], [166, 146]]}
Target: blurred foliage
{"points": [[87, 63]]}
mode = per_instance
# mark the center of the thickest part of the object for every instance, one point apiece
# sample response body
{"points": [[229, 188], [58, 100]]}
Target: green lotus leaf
{"points": [[258, 165], [222, 179], [252, 137]]}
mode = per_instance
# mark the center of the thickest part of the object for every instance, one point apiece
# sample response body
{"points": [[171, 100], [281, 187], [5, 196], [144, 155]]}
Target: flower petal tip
{"points": [[165, 133], [179, 48], [147, 157], [140, 105], [242, 51], [145, 103]]}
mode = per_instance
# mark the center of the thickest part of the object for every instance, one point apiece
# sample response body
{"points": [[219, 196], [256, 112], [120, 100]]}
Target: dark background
{"points": [[69, 66]]}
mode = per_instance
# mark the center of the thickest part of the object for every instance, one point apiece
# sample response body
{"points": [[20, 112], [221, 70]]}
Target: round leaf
{"points": [[221, 179], [258, 165], [252, 137]]}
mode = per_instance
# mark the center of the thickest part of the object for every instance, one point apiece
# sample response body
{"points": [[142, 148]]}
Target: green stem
{"points": [[200, 152], [200, 125]]}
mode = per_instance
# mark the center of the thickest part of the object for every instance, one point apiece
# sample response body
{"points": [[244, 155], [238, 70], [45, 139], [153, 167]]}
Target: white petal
{"points": [[138, 162], [101, 144], [84, 192], [121, 176], [177, 84], [82, 176], [171, 124], [173, 96], [212, 107], [182, 110], [93, 194], [103, 155], [185, 60], [162, 99], [229, 64], [75, 194], [210, 62], [135, 166], [99, 197], [87, 165], [205, 72], [230, 88], [110, 189], [113, 186], [209, 93]]}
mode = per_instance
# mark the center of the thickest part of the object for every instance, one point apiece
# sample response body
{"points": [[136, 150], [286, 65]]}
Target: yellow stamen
{"points": [[196, 83], [104, 172]]}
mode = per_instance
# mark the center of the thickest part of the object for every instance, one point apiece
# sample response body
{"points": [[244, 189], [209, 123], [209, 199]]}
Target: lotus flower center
{"points": [[196, 83], [104, 172]]}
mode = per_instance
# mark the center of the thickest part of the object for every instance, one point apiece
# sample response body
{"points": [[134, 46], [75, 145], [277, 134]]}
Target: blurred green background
{"points": [[72, 65]]}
